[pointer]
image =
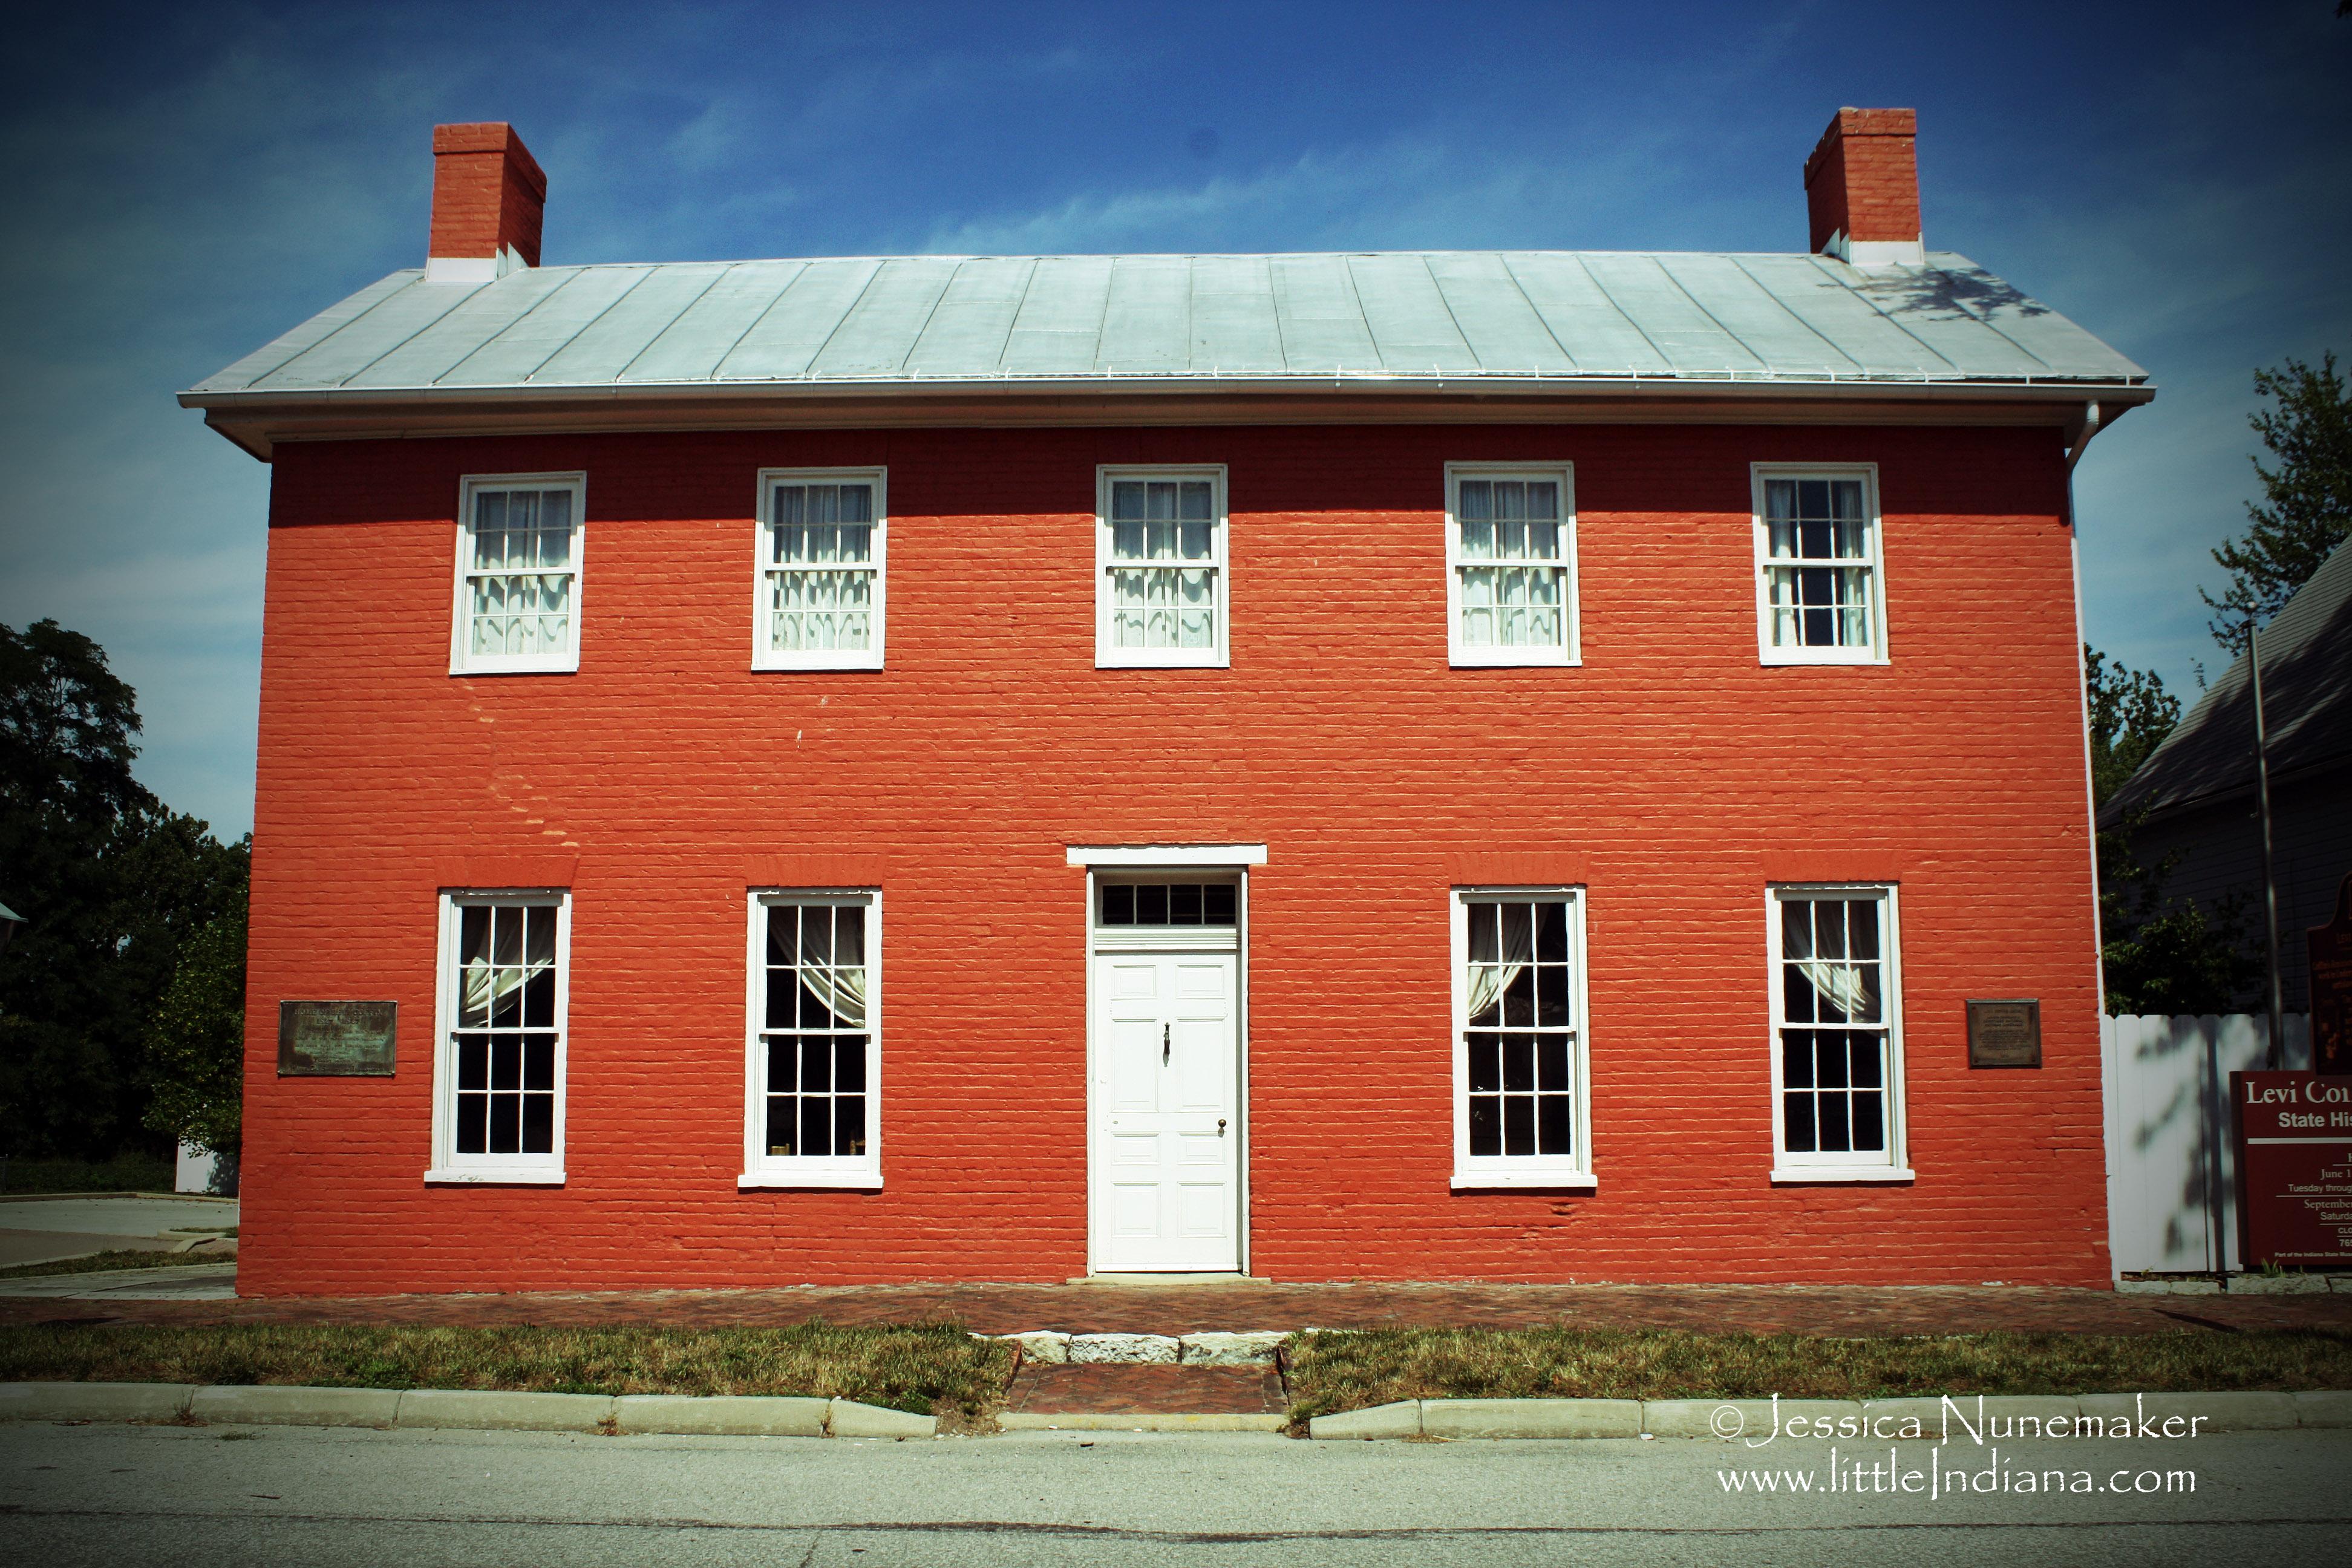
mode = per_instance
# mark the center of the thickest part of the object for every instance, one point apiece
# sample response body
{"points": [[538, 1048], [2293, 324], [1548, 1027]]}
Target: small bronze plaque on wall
{"points": [[336, 1039], [2005, 1034]]}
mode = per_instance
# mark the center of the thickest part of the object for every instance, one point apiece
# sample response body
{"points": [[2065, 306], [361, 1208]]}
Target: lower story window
{"points": [[500, 1068], [814, 1040], [1837, 1056], [1519, 1046]]}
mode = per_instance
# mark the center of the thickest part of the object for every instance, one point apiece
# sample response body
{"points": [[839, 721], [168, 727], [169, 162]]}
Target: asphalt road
{"points": [[201, 1495]]}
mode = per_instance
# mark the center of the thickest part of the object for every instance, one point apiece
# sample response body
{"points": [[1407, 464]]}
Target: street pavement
{"points": [[215, 1495]]}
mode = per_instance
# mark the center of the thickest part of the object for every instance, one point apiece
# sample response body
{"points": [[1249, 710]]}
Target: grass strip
{"points": [[927, 1368], [108, 1262], [1348, 1370]]}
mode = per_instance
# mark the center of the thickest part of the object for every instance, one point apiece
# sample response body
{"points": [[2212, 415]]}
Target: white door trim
{"points": [[1180, 939], [1166, 856]]}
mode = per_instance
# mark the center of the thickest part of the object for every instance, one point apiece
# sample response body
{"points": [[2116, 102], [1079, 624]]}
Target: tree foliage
{"points": [[2306, 510], [2157, 953], [110, 882], [195, 1052]]}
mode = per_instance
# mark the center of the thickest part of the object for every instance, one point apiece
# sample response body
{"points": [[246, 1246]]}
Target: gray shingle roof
{"points": [[2306, 706], [1554, 317]]}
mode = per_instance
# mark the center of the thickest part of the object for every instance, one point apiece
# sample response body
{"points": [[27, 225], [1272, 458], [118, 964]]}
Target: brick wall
{"points": [[1862, 180], [1680, 772]]}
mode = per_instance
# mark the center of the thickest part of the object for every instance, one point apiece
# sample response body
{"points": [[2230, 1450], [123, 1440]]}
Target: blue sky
{"points": [[185, 181]]}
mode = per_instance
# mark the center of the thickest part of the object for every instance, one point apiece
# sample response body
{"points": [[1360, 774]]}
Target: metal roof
{"points": [[1545, 319], [2306, 707]]}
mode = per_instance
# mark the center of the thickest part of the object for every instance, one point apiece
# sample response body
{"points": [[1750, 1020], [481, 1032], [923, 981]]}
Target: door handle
{"points": [[1163, 1045], [1221, 1127]]}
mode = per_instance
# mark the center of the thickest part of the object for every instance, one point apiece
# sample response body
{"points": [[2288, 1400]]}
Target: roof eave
{"points": [[255, 420]]}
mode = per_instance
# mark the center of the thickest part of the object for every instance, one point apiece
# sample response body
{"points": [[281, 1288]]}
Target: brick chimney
{"points": [[488, 198], [1861, 188]]}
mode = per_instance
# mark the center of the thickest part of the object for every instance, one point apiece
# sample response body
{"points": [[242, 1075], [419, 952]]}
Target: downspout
{"points": [[2078, 436]]}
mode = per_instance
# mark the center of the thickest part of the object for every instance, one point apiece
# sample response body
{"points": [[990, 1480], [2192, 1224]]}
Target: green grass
{"points": [[108, 1262], [1350, 1370], [929, 1368], [123, 1173]]}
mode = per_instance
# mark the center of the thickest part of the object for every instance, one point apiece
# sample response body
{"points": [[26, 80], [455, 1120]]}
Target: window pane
{"points": [[1518, 1062], [1552, 996], [1555, 1120], [1152, 905], [784, 1124], [1519, 1124], [1218, 904], [539, 1063], [849, 936], [816, 1065], [1485, 1125], [816, 1125], [1797, 1058], [849, 1065], [473, 1063], [538, 1124], [1797, 1124], [1486, 1064], [1484, 946], [1184, 905], [1552, 1063], [473, 1123], [849, 1124], [506, 1124], [1118, 904], [1833, 1132], [783, 1065], [1869, 1123]]}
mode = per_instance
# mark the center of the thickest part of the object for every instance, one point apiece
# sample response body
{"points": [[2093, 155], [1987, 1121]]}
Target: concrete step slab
{"points": [[289, 1406], [724, 1416], [487, 1411], [1531, 1417], [849, 1419], [95, 1401]]}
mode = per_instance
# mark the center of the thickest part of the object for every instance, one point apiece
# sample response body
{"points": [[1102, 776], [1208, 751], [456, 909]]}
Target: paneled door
{"points": [[1167, 1137]]}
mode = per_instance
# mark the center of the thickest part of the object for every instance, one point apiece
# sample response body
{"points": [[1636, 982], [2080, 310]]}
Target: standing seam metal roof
{"points": [[1402, 316]]}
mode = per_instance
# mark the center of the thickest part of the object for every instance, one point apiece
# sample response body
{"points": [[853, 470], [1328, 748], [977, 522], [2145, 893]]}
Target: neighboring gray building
{"points": [[2199, 786]]}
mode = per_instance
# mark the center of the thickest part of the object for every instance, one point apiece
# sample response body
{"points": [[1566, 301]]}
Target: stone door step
{"points": [[1144, 1397]]}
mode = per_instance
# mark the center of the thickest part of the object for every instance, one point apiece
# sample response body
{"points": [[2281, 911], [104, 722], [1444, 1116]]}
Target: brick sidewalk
{"points": [[1096, 1308], [1039, 1389]]}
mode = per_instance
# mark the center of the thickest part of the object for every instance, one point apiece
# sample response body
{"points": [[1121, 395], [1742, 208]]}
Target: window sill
{"points": [[524, 1178], [571, 668], [1458, 659], [1783, 1175], [771, 1181], [770, 666], [1783, 659], [1557, 1181], [1220, 661]]}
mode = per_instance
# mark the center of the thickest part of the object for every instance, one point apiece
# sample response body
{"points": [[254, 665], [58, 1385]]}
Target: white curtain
{"points": [[1489, 981]]}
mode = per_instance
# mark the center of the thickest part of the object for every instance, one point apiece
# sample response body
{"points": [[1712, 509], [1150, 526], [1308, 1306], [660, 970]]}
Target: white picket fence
{"points": [[2172, 1199]]}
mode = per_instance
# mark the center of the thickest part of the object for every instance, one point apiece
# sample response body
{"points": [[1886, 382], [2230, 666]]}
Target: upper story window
{"points": [[1520, 1049], [1510, 551], [1819, 598], [518, 574], [1837, 1060], [821, 570], [499, 1056], [1159, 567], [814, 1078]]}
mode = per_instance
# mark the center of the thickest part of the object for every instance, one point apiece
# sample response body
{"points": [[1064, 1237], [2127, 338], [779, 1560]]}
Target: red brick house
{"points": [[1432, 765]]}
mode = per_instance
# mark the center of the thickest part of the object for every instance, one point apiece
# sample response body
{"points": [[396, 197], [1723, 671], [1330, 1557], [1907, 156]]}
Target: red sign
{"points": [[2295, 1166]]}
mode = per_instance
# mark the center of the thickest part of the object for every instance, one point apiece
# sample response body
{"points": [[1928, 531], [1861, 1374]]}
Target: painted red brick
{"points": [[488, 193], [1675, 771], [1863, 179]]}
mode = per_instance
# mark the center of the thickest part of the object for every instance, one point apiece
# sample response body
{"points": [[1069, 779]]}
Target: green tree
{"points": [[195, 1052], [110, 883], [2157, 953], [2306, 510]]}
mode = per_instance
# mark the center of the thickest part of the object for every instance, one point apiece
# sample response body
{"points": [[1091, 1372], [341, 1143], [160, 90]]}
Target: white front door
{"points": [[1167, 1140]]}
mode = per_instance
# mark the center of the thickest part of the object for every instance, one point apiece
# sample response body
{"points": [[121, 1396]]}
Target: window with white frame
{"points": [[814, 1067], [820, 587], [1819, 597], [500, 1058], [1837, 1062], [1159, 562], [1510, 548], [518, 574], [1520, 1101]]}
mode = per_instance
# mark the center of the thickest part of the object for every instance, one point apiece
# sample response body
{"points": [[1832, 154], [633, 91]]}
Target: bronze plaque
{"points": [[2005, 1034], [336, 1039]]}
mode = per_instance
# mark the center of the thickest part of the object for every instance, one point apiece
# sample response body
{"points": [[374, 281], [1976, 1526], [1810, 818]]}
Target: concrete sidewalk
{"points": [[183, 1282], [40, 1228]]}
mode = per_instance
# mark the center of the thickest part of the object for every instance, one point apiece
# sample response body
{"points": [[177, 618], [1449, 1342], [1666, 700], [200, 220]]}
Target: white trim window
{"points": [[1510, 560], [519, 547], [1820, 584], [821, 578], [1837, 1033], [814, 1064], [1160, 591], [505, 986], [1521, 1105]]}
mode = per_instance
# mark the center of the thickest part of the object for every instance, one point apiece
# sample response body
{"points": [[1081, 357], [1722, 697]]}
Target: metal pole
{"points": [[2277, 1055]]}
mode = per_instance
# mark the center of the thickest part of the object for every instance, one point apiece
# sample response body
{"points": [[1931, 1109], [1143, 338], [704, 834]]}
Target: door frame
{"points": [[1172, 862]]}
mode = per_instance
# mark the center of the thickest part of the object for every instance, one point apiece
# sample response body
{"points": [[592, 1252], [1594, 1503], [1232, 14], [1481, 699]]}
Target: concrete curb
{"points": [[458, 1410], [1956, 1418]]}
